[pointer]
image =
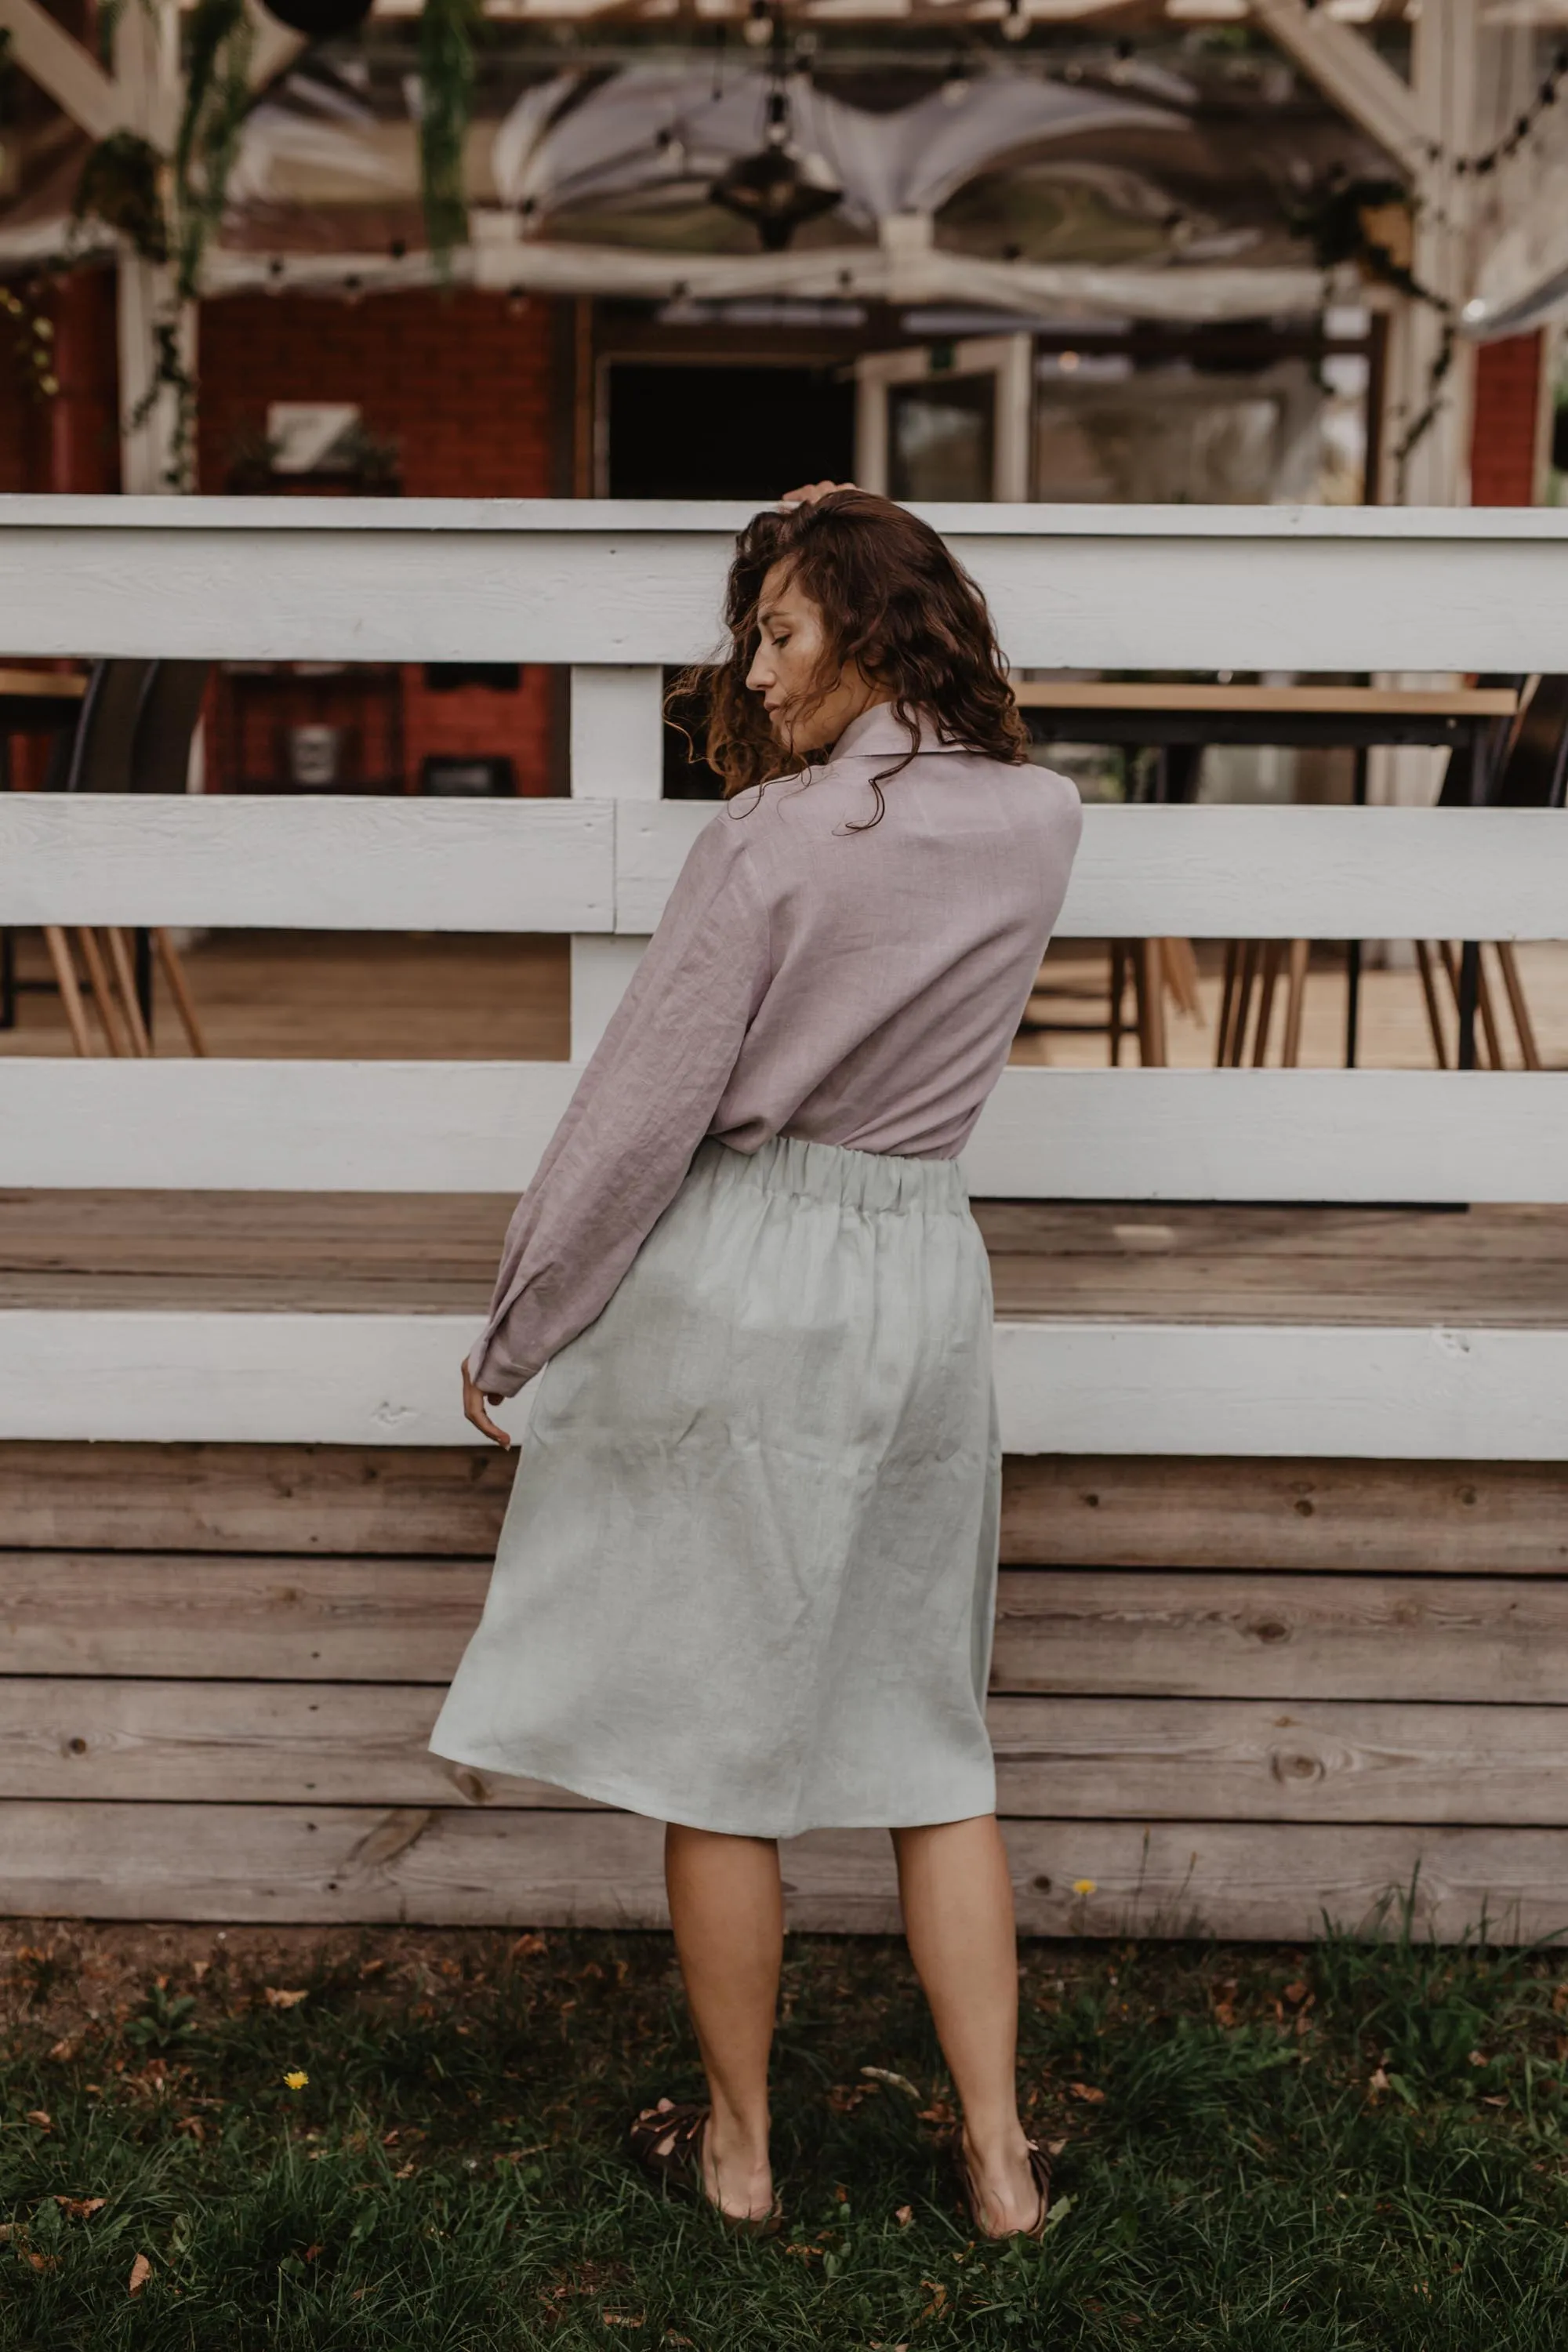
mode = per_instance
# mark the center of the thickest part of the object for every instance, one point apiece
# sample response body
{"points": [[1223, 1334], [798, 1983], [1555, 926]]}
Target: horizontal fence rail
{"points": [[591, 865], [1075, 1135], [589, 582], [1072, 1385]]}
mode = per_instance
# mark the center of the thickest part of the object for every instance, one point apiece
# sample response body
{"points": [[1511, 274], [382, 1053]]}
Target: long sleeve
{"points": [[644, 1102]]}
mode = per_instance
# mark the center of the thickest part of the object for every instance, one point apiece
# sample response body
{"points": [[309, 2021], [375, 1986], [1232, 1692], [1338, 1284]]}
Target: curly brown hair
{"points": [[893, 599]]}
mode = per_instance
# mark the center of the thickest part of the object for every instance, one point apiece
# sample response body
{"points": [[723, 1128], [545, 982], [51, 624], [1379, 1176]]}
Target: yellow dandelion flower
{"points": [[1083, 1886], [298, 2079]]}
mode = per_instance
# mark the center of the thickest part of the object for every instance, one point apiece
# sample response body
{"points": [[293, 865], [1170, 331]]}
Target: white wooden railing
{"points": [[616, 590]]}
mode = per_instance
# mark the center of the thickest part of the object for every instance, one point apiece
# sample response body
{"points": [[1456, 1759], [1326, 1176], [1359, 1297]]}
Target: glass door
{"points": [[946, 420]]}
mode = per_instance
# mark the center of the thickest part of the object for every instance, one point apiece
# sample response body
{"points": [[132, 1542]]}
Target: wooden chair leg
{"points": [[126, 979], [1529, 1051], [1295, 1003], [1241, 1011], [1182, 976], [179, 989], [1434, 1011], [59, 945], [1117, 994], [1150, 966], [97, 980], [1490, 1040], [1227, 1001], [1268, 981]]}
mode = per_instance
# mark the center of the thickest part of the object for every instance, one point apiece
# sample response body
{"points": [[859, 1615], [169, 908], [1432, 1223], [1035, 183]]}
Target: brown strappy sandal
{"points": [[1039, 2167], [665, 2141]]}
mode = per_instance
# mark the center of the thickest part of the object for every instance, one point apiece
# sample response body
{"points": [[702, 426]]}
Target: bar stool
{"points": [[133, 735]]}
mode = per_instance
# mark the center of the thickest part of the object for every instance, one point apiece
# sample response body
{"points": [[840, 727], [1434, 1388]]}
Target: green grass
{"points": [[1343, 2144]]}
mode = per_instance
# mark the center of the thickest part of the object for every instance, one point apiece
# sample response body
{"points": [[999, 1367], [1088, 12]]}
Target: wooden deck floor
{"points": [[364, 996], [393, 1253]]}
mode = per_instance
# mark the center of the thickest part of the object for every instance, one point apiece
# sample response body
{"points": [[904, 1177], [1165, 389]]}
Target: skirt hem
{"points": [[604, 1791]]}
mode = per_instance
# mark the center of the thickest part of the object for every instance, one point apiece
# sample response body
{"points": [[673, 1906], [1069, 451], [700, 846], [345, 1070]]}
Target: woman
{"points": [[746, 1580]]}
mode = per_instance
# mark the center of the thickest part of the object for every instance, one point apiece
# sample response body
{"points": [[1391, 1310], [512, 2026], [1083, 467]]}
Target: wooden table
{"points": [[32, 702], [1179, 720]]}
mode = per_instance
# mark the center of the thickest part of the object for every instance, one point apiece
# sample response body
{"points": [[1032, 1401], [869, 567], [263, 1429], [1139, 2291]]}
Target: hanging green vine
{"points": [[447, 90], [1369, 223], [220, 43], [168, 208]]}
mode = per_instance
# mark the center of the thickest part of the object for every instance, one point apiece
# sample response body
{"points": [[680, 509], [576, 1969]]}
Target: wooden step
{"points": [[479, 1867], [1143, 1759], [1133, 1511], [1126, 1632]]}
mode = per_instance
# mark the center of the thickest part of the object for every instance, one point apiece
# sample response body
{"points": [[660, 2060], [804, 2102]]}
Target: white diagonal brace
{"points": [[1348, 70], [66, 71], [276, 48]]}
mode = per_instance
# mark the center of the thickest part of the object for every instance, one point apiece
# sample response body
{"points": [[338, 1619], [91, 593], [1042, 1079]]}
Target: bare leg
{"points": [[958, 1915], [726, 1905]]}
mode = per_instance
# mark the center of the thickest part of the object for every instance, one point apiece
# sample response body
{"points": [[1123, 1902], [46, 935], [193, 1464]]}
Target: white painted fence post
{"points": [[616, 753]]}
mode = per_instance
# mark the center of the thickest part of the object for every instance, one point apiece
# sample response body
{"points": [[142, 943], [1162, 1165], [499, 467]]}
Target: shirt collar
{"points": [[877, 733]]}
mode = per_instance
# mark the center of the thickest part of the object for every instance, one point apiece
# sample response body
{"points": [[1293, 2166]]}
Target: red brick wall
{"points": [[462, 384], [83, 423], [1503, 435]]}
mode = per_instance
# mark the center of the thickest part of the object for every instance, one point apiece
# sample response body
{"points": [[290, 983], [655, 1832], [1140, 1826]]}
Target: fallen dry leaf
{"points": [[904, 2216], [140, 2271], [81, 2207], [44, 2262], [276, 1998], [1297, 1991], [64, 2049], [1378, 2083], [41, 2117], [1086, 2091], [404, 2171], [527, 1947], [624, 2318], [898, 2082]]}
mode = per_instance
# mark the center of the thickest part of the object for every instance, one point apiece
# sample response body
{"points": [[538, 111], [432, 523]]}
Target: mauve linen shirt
{"points": [[853, 988]]}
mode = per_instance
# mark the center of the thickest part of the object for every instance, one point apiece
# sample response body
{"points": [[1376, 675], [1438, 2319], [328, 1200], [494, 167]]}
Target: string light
{"points": [[1479, 166]]}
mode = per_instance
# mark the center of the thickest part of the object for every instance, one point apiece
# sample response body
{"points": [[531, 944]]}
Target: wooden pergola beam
{"points": [[1348, 70], [69, 73]]}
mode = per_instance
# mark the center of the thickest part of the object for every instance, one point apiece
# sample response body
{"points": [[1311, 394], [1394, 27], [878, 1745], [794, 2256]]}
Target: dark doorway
{"points": [[721, 432]]}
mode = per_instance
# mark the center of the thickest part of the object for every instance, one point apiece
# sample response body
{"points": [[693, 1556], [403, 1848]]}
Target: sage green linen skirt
{"points": [[747, 1576]]}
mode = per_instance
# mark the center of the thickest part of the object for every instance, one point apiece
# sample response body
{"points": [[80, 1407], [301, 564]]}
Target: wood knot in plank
{"points": [[392, 1836]]}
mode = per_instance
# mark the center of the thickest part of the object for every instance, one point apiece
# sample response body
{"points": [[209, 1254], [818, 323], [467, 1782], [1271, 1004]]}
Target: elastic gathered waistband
{"points": [[833, 1171]]}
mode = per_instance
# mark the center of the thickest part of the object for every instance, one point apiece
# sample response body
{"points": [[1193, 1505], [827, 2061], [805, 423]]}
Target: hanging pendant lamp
{"points": [[320, 20], [778, 189]]}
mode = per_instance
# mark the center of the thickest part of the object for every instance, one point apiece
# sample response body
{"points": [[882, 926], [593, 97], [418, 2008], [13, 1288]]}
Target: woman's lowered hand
{"points": [[473, 1409]]}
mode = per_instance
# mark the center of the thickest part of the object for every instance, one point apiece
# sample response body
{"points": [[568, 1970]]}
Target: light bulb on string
{"points": [[1014, 22], [758, 28]]}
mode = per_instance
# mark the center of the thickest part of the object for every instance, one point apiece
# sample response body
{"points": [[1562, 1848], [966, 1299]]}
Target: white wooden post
{"points": [[616, 753], [147, 74]]}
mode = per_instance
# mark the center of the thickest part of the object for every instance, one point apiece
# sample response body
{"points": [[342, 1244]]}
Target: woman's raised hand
{"points": [[809, 492], [473, 1409]]}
